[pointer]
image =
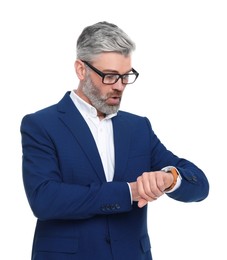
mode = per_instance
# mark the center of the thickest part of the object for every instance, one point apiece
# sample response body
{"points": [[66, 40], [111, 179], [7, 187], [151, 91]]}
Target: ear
{"points": [[80, 69]]}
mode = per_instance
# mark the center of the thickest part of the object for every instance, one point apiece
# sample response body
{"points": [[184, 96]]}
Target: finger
{"points": [[154, 187], [160, 183], [143, 194], [142, 203], [150, 184]]}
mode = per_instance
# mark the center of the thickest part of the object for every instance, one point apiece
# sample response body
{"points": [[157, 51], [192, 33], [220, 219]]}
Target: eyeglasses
{"points": [[112, 78]]}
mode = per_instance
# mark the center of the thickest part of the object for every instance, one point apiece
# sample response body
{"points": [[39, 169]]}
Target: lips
{"points": [[115, 100]]}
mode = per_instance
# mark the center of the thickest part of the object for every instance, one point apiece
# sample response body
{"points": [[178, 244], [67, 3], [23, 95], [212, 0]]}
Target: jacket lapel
{"points": [[122, 137], [72, 119]]}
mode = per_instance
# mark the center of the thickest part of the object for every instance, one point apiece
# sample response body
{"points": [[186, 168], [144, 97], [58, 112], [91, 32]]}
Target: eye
{"points": [[111, 77], [125, 77]]}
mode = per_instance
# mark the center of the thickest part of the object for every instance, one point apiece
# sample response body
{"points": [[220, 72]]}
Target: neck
{"points": [[82, 96], [100, 115]]}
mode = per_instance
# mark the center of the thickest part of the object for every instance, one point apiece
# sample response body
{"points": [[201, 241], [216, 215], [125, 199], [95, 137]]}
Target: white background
{"points": [[182, 59]]}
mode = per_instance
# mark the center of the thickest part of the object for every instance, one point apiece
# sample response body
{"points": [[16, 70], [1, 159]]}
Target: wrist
{"points": [[174, 172]]}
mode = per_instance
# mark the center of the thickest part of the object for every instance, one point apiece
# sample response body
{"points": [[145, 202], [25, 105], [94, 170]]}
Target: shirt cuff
{"points": [[130, 192]]}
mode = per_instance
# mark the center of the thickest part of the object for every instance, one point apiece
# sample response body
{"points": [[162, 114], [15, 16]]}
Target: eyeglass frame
{"points": [[120, 76]]}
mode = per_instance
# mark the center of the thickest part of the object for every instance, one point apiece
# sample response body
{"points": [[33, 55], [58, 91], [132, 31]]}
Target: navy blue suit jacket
{"points": [[80, 216]]}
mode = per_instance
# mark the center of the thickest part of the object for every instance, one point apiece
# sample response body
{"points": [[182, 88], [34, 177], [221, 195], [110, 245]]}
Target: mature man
{"points": [[89, 169]]}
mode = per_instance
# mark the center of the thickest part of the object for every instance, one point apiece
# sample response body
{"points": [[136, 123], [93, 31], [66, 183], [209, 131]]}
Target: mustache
{"points": [[115, 94]]}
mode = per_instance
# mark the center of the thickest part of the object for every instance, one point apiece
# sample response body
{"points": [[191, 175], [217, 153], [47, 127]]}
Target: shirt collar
{"points": [[85, 108]]}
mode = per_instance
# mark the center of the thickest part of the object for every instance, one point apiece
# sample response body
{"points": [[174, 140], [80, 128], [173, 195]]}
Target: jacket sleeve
{"points": [[52, 198], [194, 183]]}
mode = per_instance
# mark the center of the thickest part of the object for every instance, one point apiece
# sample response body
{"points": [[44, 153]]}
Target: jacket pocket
{"points": [[60, 245]]}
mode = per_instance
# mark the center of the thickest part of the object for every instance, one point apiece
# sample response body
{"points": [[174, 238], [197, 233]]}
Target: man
{"points": [[89, 169]]}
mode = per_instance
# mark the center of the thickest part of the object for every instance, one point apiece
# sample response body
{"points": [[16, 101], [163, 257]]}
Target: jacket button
{"points": [[108, 207], [117, 206], [194, 178], [113, 207]]}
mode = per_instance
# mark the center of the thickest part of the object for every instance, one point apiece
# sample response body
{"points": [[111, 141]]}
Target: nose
{"points": [[119, 85]]}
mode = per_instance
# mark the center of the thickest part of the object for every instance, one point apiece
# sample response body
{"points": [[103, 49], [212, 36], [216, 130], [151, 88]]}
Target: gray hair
{"points": [[103, 37]]}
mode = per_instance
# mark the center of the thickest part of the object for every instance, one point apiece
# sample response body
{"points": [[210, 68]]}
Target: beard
{"points": [[96, 99]]}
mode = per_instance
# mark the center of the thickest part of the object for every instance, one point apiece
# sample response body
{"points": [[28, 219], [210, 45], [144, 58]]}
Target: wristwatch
{"points": [[175, 174]]}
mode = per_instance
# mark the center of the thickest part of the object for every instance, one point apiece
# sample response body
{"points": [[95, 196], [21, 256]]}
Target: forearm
{"points": [[53, 200]]}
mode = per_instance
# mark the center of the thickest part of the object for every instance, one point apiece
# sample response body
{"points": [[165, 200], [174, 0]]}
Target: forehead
{"points": [[113, 61]]}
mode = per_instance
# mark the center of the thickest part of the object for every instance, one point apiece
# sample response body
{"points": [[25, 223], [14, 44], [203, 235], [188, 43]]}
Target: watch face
{"points": [[168, 168]]}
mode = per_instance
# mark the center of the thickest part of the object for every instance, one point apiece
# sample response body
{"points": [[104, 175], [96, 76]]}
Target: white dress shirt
{"points": [[102, 131]]}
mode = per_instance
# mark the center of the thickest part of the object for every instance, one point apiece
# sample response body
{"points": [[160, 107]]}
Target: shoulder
{"points": [[133, 120], [129, 115], [132, 117], [41, 114], [49, 112]]}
